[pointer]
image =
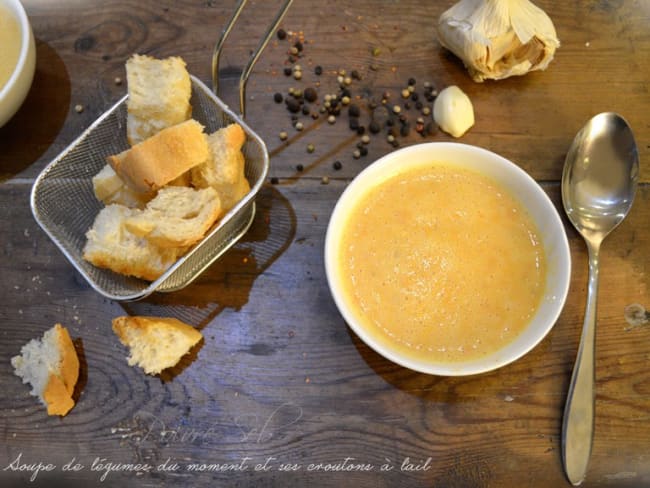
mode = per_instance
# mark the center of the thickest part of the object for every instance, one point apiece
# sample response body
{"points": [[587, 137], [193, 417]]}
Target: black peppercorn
{"points": [[354, 111], [374, 127], [287, 71], [310, 94], [354, 123], [282, 34], [337, 165], [318, 70], [293, 105]]}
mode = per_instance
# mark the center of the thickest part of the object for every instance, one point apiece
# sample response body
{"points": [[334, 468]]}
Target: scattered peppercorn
{"points": [[356, 154], [397, 109], [411, 81], [292, 105], [354, 123], [78, 108], [283, 136], [278, 98], [426, 111], [405, 129], [287, 71], [297, 75], [318, 70], [325, 180], [282, 34], [331, 119], [310, 148], [310, 94], [298, 46], [274, 180], [337, 165], [363, 151], [299, 126], [300, 167], [305, 110], [374, 127], [376, 51], [354, 111], [118, 80], [293, 50]]}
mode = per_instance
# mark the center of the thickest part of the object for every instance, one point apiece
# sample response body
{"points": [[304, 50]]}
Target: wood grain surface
{"points": [[281, 392]]}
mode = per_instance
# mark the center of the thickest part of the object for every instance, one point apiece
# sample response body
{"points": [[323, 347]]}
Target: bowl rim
{"points": [[16, 8], [384, 168]]}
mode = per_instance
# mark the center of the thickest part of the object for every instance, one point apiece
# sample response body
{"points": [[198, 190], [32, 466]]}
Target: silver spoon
{"points": [[598, 186]]}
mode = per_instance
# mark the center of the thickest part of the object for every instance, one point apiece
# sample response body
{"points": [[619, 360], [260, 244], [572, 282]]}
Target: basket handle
{"points": [[253, 59]]}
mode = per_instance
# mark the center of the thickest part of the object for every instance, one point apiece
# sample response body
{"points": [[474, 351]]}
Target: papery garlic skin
{"points": [[496, 39], [453, 111]]}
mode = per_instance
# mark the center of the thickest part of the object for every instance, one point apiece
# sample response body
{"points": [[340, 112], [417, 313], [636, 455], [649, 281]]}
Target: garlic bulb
{"points": [[453, 111], [496, 39]]}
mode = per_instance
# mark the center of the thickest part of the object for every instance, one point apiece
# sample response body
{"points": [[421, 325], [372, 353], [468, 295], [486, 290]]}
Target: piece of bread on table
{"points": [[224, 170], [111, 245], [51, 366], [177, 216], [159, 95], [155, 343], [162, 158]]}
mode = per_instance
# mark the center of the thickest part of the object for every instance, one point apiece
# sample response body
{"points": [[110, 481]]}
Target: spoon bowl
{"points": [[600, 175], [598, 186]]}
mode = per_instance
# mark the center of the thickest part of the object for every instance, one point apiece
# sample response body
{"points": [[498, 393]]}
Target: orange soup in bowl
{"points": [[442, 264]]}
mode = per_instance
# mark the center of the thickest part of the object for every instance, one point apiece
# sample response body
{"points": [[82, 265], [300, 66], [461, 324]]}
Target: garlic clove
{"points": [[453, 111], [496, 39]]}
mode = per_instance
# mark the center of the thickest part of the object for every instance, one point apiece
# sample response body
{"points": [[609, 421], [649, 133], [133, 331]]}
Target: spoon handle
{"points": [[578, 424]]}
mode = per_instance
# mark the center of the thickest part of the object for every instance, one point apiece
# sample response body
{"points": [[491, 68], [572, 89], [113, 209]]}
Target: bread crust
{"points": [[60, 386], [224, 169], [156, 161], [146, 336]]}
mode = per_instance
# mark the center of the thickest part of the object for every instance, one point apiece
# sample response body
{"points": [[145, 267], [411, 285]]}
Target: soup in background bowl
{"points": [[447, 259], [17, 58]]}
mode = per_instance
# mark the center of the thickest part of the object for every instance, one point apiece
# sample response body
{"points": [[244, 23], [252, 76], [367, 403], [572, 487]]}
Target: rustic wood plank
{"points": [[279, 374]]}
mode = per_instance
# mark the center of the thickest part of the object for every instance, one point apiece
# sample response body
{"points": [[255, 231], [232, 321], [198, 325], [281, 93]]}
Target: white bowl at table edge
{"points": [[13, 94]]}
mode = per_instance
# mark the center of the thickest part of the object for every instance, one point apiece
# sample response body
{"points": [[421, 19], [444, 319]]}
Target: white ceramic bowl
{"points": [[13, 94], [521, 186]]}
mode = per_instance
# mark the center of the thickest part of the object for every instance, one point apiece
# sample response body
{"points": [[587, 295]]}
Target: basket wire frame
{"points": [[64, 204]]}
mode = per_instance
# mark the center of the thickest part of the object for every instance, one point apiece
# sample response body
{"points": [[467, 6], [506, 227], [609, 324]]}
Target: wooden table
{"points": [[282, 392]]}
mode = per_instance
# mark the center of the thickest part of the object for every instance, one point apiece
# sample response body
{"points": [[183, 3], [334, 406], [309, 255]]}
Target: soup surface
{"points": [[9, 45], [442, 264]]}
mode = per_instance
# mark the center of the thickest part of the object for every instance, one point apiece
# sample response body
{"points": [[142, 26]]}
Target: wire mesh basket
{"points": [[65, 206]]}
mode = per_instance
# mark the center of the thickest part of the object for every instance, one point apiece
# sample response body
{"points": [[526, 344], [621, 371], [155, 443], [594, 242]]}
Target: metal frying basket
{"points": [[64, 204]]}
